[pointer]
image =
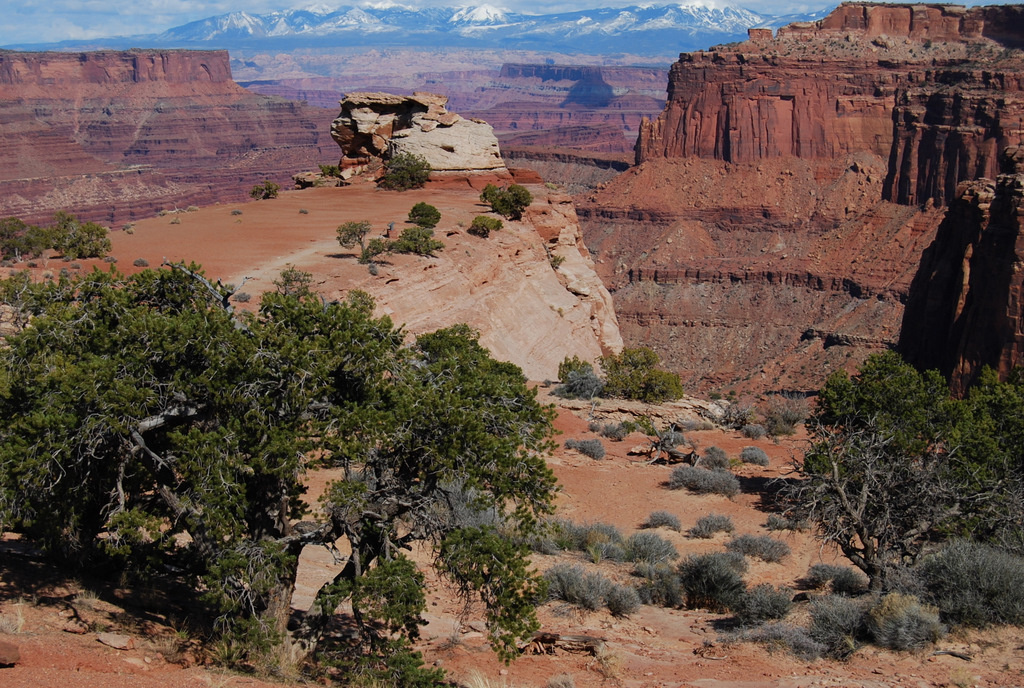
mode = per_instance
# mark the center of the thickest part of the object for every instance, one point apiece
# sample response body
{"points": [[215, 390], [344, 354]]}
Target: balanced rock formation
{"points": [[782, 199], [373, 127], [114, 136], [966, 304]]}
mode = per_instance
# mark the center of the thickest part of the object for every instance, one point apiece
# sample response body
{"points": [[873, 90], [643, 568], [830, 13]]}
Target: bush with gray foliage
{"points": [[761, 547], [662, 519], [901, 622], [707, 526], [704, 481], [974, 584], [572, 584], [844, 580], [712, 581], [650, 548], [754, 455], [839, 624], [714, 459], [592, 448], [762, 603]]}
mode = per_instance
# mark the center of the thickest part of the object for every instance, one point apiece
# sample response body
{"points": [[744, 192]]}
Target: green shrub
{"points": [[838, 623], [844, 580], [572, 365], [651, 548], [974, 584], [660, 585], [763, 603], [622, 600], [703, 481], [707, 526], [417, 240], [510, 202], [424, 215], [754, 455], [760, 547], [405, 171], [572, 584], [714, 459], [267, 189], [662, 519], [482, 226], [632, 375], [901, 622], [75, 239], [592, 448], [330, 170], [712, 581]]}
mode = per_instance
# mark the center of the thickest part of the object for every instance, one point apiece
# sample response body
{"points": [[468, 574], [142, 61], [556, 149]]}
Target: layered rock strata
{"points": [[784, 196], [114, 136], [966, 304]]}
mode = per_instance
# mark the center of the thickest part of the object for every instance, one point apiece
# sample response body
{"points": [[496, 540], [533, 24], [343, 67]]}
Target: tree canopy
{"points": [[895, 464], [147, 428]]}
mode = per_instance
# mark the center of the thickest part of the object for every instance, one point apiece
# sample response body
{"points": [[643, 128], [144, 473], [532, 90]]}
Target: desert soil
{"points": [[655, 647]]}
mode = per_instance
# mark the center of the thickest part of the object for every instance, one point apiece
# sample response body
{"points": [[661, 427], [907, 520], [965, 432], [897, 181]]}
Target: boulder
{"points": [[373, 127], [9, 654]]}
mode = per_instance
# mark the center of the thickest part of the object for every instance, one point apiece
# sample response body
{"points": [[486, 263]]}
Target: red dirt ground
{"points": [[655, 647]]}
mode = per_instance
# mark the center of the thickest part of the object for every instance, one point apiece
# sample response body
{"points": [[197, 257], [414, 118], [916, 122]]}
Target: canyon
{"points": [[780, 203], [115, 136]]}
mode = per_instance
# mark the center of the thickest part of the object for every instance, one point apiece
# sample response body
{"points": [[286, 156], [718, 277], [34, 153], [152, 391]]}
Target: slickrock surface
{"points": [[785, 194], [114, 136], [504, 286]]}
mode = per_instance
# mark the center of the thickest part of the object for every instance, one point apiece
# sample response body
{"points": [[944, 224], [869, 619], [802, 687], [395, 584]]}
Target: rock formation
{"points": [[966, 304], [373, 127], [114, 136], [786, 192]]}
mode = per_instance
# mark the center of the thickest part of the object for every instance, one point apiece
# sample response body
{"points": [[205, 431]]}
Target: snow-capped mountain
{"points": [[654, 29], [642, 29]]}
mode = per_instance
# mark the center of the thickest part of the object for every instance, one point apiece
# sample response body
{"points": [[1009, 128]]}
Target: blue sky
{"points": [[46, 21]]}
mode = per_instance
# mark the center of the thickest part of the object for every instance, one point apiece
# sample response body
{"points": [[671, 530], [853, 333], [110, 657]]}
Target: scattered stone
{"points": [[9, 654], [116, 641], [76, 626]]}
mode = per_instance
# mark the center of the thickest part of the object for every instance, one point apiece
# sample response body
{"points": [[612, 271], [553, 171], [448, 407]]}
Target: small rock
{"points": [[76, 626], [479, 626], [116, 641], [9, 654], [503, 672]]}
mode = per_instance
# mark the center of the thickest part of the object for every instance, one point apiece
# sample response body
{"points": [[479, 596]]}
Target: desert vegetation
{"points": [[266, 190], [508, 202], [68, 236], [152, 431], [405, 171], [630, 374]]}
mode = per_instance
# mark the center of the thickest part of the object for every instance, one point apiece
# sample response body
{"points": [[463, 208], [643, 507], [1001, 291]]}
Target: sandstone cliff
{"points": [[966, 304], [114, 136], [786, 192]]}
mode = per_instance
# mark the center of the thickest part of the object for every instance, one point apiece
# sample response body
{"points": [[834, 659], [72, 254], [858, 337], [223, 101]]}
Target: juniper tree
{"points": [[146, 427]]}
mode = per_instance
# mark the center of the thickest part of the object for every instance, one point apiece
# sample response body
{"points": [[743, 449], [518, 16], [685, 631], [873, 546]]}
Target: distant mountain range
{"points": [[639, 29]]}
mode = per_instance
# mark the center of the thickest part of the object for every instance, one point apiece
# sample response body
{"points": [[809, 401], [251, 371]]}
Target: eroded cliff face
{"points": [[966, 305], [784, 196], [113, 136]]}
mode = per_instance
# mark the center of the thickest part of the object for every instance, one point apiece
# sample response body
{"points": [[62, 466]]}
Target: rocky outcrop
{"points": [[868, 77], [114, 136], [373, 127], [966, 304], [784, 196]]}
